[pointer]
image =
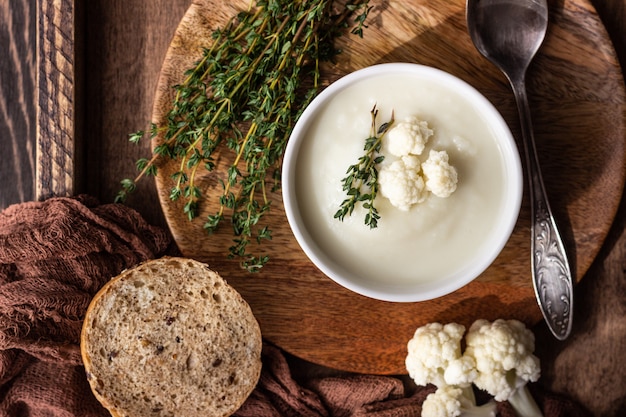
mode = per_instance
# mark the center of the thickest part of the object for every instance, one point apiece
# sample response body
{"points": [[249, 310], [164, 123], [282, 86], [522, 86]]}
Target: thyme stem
{"points": [[361, 181]]}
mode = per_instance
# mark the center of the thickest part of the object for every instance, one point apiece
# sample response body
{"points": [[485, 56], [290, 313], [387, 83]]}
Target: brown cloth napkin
{"points": [[278, 394], [55, 255]]}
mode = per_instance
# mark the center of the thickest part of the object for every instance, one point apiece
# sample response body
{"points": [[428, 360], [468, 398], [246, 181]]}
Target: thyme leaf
{"points": [[361, 180]]}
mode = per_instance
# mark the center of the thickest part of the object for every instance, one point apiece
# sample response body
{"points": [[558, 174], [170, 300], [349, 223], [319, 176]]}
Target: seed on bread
{"points": [[171, 337]]}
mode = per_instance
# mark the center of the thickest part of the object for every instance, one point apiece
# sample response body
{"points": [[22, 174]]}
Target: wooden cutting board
{"points": [[578, 101]]}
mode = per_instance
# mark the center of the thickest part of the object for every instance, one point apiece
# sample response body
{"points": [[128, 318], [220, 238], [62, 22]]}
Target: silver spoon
{"points": [[509, 33]]}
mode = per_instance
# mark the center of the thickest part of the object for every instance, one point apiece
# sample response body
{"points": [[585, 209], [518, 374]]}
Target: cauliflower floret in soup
{"points": [[408, 137], [401, 182], [440, 177]]}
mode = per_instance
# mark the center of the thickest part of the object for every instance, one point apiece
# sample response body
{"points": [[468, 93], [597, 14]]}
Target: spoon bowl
{"points": [[509, 33]]}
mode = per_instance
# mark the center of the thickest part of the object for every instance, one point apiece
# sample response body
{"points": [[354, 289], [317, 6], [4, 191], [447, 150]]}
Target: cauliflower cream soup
{"points": [[432, 242]]}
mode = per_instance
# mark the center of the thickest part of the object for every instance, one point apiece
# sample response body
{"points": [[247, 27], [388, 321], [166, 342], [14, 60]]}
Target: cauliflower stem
{"points": [[524, 404]]}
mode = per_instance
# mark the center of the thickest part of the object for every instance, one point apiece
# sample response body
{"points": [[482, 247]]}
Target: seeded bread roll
{"points": [[170, 338]]}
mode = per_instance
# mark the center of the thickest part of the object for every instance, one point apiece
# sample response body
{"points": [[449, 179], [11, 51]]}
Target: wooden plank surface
{"points": [[125, 43], [17, 104], [58, 142], [577, 98]]}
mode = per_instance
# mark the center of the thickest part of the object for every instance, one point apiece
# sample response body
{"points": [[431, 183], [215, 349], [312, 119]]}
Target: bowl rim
{"points": [[399, 293]]}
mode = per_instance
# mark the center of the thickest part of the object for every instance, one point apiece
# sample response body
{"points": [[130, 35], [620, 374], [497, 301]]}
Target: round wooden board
{"points": [[578, 101]]}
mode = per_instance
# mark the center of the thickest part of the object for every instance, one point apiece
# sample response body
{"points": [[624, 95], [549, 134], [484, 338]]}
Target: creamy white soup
{"points": [[432, 240]]}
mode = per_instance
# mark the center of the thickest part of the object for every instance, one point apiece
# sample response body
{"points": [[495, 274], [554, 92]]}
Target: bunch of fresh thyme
{"points": [[361, 181], [246, 93]]}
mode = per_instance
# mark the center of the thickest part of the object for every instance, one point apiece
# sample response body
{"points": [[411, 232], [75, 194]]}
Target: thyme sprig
{"points": [[245, 94], [361, 181]]}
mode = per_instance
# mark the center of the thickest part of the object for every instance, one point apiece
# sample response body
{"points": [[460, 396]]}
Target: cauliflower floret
{"points": [[441, 177], [401, 182], [445, 402], [408, 137], [461, 371], [451, 401], [431, 350], [503, 351]]}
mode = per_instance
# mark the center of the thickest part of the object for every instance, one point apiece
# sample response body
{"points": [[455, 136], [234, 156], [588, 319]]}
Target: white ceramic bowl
{"points": [[428, 251]]}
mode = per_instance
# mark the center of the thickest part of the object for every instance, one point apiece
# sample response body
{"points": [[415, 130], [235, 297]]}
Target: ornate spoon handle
{"points": [[551, 274]]}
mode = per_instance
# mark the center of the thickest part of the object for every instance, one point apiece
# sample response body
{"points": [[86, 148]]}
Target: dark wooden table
{"points": [[84, 73]]}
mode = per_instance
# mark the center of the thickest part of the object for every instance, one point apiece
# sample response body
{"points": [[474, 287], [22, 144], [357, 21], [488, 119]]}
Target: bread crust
{"points": [[170, 337]]}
